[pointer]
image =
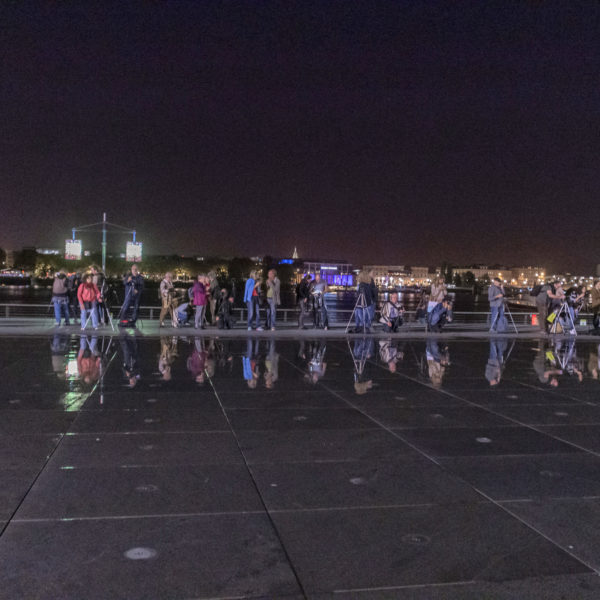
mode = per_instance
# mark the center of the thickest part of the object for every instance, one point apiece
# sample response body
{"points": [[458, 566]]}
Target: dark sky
{"points": [[389, 132]]}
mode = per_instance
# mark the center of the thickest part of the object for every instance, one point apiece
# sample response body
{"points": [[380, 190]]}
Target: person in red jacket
{"points": [[88, 296]]}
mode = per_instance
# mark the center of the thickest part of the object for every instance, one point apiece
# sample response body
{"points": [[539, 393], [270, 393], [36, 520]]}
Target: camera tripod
{"points": [[361, 304], [507, 316], [565, 313]]}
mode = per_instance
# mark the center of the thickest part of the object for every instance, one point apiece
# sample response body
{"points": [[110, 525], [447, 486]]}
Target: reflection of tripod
{"points": [[361, 305], [562, 318]]}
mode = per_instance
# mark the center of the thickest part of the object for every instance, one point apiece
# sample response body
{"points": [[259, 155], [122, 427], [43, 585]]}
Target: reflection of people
{"points": [[250, 363], [495, 363], [271, 365], [361, 353], [593, 364], [88, 359], [168, 353], [59, 347], [546, 373], [196, 362], [390, 354], [131, 369], [437, 361], [316, 364], [134, 286]]}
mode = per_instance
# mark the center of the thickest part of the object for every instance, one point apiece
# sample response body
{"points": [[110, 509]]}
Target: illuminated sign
{"points": [[286, 261], [329, 268], [73, 249], [133, 252]]}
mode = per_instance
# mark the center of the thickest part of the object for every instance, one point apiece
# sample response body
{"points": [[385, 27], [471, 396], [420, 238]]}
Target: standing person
{"points": [[60, 297], [421, 311], [224, 310], [541, 303], [496, 299], [88, 296], [99, 280], [438, 292], [199, 292], [374, 295], [214, 290], [167, 297], [273, 298], [134, 286], [303, 292], [251, 300], [319, 289], [595, 300], [363, 315]]}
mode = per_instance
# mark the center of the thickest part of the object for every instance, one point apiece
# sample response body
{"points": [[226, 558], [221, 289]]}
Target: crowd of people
{"points": [[209, 302]]}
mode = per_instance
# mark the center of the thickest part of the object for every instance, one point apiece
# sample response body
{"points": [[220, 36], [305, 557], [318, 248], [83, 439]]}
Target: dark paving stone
{"points": [[482, 442], [214, 556], [409, 480], [15, 483], [567, 587], [147, 449], [572, 524], [303, 418], [149, 400], [20, 400], [291, 400], [71, 493], [539, 476], [26, 451], [438, 417], [333, 549], [14, 422], [150, 420], [585, 436], [423, 397], [320, 445], [553, 414], [506, 397]]}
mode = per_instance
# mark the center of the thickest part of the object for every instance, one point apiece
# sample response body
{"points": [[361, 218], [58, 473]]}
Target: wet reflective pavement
{"points": [[198, 467]]}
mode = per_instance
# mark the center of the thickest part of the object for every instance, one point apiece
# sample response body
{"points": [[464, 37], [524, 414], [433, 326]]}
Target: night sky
{"points": [[382, 132]]}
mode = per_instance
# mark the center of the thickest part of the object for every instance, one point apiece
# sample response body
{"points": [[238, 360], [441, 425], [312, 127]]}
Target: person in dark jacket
{"points": [[224, 308], [134, 286], [364, 304], [304, 292]]}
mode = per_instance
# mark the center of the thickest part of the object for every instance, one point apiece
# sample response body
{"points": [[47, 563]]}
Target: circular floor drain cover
{"points": [[483, 440], [300, 418], [147, 447], [551, 474], [512, 397], [152, 400], [437, 416], [140, 553], [416, 538], [560, 413]]}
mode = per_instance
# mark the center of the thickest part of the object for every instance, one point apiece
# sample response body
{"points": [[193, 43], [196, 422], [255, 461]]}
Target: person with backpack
{"points": [[60, 297], [496, 299]]}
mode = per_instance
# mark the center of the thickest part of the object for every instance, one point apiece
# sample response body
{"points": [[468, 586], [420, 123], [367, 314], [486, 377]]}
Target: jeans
{"points": [[497, 314], [131, 301], [86, 309], [271, 314], [320, 313], [61, 307], [253, 311], [199, 318], [303, 312], [363, 317]]}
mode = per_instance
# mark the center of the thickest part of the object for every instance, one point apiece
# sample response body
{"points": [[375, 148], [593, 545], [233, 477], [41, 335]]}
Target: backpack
{"points": [[535, 291]]}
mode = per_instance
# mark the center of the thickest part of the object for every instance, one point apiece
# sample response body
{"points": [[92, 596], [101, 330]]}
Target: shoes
{"points": [[259, 329], [95, 328], [325, 328], [161, 324], [272, 328], [249, 328], [573, 331]]}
